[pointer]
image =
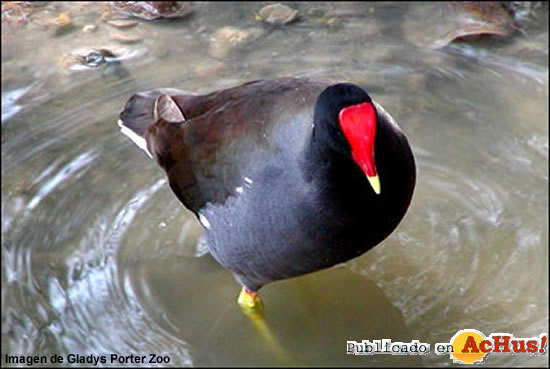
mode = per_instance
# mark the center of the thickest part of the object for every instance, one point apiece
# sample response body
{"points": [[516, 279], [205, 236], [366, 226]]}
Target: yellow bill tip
{"points": [[374, 183]]}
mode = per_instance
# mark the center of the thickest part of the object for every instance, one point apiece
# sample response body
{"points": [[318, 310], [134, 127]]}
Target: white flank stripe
{"points": [[137, 139], [204, 221]]}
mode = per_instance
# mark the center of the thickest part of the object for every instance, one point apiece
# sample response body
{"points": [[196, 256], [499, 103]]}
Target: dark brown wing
{"points": [[225, 133]]}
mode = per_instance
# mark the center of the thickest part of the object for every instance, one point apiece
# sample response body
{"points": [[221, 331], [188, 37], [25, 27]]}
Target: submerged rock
{"points": [[228, 38], [16, 12], [126, 38], [87, 58], [149, 10], [277, 14], [89, 28], [122, 23], [437, 24], [61, 23], [107, 60]]}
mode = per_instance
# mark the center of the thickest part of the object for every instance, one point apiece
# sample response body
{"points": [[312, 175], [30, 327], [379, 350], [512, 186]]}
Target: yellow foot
{"points": [[252, 306], [250, 301]]}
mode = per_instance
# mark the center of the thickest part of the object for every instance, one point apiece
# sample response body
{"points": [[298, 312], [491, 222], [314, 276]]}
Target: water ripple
{"points": [[68, 171]]}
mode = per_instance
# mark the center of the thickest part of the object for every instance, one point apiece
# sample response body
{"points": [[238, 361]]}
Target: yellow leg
{"points": [[250, 301], [252, 306]]}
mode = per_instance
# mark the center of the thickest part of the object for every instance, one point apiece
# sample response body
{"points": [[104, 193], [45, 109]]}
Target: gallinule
{"points": [[287, 176]]}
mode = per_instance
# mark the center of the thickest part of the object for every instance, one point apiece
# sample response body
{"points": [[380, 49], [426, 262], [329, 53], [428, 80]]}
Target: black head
{"points": [[346, 122], [327, 108]]}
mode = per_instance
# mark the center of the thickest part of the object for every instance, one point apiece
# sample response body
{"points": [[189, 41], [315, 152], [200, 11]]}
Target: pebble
{"points": [[150, 10], [62, 23], [122, 23], [126, 38], [225, 39], [277, 14], [89, 28]]}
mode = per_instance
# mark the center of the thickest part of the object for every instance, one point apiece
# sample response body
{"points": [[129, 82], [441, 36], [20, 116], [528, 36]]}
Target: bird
{"points": [[287, 176]]}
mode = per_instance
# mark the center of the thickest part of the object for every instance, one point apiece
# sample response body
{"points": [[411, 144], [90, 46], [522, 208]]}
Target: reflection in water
{"points": [[99, 257]]}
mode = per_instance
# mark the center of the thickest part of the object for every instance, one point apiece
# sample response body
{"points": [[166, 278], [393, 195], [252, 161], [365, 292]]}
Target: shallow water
{"points": [[99, 257]]}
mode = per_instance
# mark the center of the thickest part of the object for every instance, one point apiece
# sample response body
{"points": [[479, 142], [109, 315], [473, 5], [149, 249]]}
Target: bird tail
{"points": [[144, 109]]}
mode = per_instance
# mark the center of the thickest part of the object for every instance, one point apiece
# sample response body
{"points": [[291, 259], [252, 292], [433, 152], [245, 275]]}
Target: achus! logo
{"points": [[470, 346]]}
